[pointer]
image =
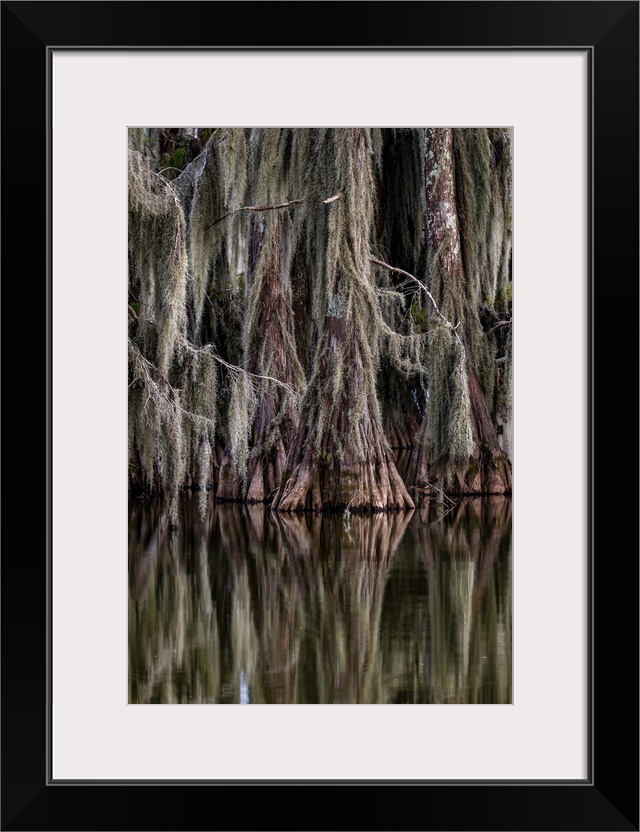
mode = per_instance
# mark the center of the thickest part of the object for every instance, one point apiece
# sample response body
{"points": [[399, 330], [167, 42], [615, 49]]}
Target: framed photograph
{"points": [[105, 725]]}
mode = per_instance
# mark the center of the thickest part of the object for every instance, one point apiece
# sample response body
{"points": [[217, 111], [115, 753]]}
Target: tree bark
{"points": [[488, 469], [494, 465], [418, 470], [443, 230], [276, 420], [339, 457]]}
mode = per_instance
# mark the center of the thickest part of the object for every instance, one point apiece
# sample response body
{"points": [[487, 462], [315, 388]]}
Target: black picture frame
{"points": [[608, 798]]}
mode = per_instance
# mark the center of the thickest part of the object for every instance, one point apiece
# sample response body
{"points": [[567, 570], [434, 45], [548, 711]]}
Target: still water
{"points": [[249, 606]]}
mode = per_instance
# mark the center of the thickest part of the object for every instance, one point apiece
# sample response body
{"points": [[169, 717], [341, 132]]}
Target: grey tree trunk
{"points": [[486, 469]]}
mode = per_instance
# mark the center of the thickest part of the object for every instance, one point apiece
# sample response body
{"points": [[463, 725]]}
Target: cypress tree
{"points": [[301, 301]]}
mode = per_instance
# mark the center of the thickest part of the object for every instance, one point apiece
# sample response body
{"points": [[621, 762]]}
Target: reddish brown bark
{"points": [[319, 481], [276, 418], [418, 471], [494, 465], [325, 468], [489, 469], [400, 434]]}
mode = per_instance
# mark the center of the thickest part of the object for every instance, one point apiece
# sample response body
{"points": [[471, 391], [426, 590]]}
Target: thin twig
{"points": [[269, 208], [146, 366], [255, 208], [168, 184], [443, 515], [431, 485], [234, 368], [424, 289], [498, 325], [202, 287]]}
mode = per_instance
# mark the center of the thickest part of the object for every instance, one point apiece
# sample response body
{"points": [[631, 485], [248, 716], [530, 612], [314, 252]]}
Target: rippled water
{"points": [[249, 606]]}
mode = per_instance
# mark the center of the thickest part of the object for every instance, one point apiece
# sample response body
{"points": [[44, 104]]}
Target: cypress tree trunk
{"points": [[457, 402], [400, 239], [418, 470], [339, 456], [494, 465], [252, 280], [270, 348]]}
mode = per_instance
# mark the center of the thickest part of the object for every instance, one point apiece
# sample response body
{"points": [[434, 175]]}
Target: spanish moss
{"points": [[303, 303]]}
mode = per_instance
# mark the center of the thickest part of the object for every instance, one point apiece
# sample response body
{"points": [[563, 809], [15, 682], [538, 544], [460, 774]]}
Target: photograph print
{"points": [[319, 415]]}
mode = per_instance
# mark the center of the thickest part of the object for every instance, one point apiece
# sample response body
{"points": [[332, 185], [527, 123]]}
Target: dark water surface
{"points": [[248, 606]]}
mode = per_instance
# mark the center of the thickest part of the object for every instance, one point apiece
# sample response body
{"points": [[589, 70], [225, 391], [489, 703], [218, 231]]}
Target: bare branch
{"points": [[268, 208], [255, 208], [424, 289], [271, 207], [430, 485], [201, 287], [166, 182], [234, 368], [498, 325], [156, 392]]}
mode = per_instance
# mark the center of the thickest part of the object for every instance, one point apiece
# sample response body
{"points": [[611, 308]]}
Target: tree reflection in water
{"points": [[250, 606]]}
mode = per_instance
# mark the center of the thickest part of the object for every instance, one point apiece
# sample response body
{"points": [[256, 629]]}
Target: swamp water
{"points": [[249, 606]]}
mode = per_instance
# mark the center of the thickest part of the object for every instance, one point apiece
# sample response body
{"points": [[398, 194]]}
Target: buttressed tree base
{"points": [[303, 303]]}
